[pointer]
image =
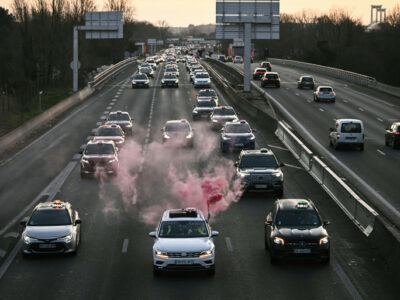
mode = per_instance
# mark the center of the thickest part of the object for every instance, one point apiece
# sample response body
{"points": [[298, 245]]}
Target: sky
{"points": [[185, 12]]}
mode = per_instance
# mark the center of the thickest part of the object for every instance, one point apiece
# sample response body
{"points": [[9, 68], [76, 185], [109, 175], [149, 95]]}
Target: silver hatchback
{"points": [[324, 93], [53, 227]]}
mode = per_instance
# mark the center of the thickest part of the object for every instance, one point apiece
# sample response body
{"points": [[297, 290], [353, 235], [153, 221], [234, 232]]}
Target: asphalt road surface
{"points": [[115, 257]]}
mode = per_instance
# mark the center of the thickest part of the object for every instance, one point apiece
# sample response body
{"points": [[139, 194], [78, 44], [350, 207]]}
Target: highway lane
{"points": [[108, 267], [378, 165]]}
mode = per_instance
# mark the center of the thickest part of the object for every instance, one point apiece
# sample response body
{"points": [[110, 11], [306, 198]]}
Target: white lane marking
{"points": [[379, 119], [108, 107], [114, 100], [10, 259], [125, 246], [99, 123], [345, 101], [346, 280], [309, 101], [228, 244], [89, 138], [118, 93], [360, 109], [297, 94], [287, 88], [381, 152], [321, 109], [277, 147], [2, 253], [11, 234], [111, 104], [294, 167], [106, 112], [50, 191], [116, 96], [76, 156], [103, 117], [134, 199]]}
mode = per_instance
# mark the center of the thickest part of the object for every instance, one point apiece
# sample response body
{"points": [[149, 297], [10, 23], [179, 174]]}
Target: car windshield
{"points": [[297, 218], [118, 117], [258, 161], [206, 104], [171, 76], [325, 90], [261, 70], [170, 70], [184, 127], [207, 94], [224, 112], [307, 79], [145, 70], [109, 132], [272, 76], [237, 128], [183, 229], [50, 217], [141, 76], [98, 149], [351, 128], [202, 76]]}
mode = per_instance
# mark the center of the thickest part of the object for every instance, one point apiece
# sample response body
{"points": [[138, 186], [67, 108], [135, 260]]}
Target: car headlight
{"points": [[28, 239], [66, 239], [112, 161], [133, 82], [120, 142], [166, 136], [323, 241], [243, 174], [252, 138], [162, 81], [176, 81], [279, 241], [160, 254], [226, 138], [215, 120], [195, 111], [85, 161], [206, 254], [277, 174], [128, 126]]}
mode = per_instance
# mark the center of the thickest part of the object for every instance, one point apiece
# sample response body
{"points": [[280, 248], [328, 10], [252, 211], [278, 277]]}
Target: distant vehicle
{"points": [[183, 240], [207, 94], [222, 58], [221, 115], [229, 59], [392, 135], [169, 80], [172, 70], [259, 73], [152, 63], [237, 136], [193, 72], [178, 133], [347, 132], [202, 80], [140, 80], [306, 81], [53, 227], [147, 70], [267, 65], [203, 109], [121, 118], [271, 78], [259, 170], [110, 132], [214, 56], [238, 60], [99, 156], [294, 228], [324, 93]]}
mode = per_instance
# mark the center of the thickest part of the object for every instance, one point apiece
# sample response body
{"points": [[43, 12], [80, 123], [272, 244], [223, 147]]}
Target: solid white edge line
{"points": [[277, 147], [381, 152], [345, 280], [10, 258]]}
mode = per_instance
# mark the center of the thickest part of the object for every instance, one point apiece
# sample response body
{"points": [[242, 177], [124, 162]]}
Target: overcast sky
{"points": [[185, 12]]}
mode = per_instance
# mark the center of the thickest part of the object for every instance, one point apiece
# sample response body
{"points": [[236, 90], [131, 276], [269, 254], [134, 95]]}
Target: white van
{"points": [[347, 132]]}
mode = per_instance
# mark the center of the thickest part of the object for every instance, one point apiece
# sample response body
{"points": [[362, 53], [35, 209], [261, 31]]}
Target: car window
{"points": [[98, 149], [141, 76], [297, 218], [109, 132], [258, 161], [325, 89], [118, 117], [237, 128], [351, 128], [308, 79], [183, 229], [272, 76], [202, 76], [50, 217], [177, 127], [206, 104], [224, 112], [207, 94]]}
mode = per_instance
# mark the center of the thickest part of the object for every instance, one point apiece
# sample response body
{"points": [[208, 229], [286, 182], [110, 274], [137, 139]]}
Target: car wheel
{"points": [[330, 142], [224, 149]]}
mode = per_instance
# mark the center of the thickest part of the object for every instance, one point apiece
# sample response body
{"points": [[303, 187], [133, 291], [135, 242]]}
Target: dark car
{"points": [[99, 157], [392, 135], [111, 132], [207, 94], [237, 136], [140, 80], [148, 71], [203, 109], [229, 59], [221, 115], [306, 81], [169, 80], [271, 78], [294, 228], [259, 73], [222, 58], [178, 133], [121, 118], [267, 65]]}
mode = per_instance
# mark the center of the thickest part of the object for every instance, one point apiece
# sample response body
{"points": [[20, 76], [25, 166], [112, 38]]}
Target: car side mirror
{"points": [[80, 151], [78, 221], [327, 223], [23, 222], [194, 106], [331, 129], [116, 148], [268, 223], [254, 130], [152, 234], [236, 164], [281, 165], [214, 233]]}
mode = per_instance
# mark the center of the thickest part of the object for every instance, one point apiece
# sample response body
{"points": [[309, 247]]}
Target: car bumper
{"points": [[42, 247], [262, 186], [202, 85], [183, 264], [239, 145], [326, 99], [88, 170], [283, 252], [168, 84]]}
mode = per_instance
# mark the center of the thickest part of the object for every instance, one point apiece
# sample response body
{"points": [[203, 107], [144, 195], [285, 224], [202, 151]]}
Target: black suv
{"points": [[306, 81], [203, 109], [392, 135], [121, 118], [294, 228], [271, 78], [237, 135]]}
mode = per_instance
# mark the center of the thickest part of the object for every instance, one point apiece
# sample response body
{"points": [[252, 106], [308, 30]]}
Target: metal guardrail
{"points": [[354, 207]]}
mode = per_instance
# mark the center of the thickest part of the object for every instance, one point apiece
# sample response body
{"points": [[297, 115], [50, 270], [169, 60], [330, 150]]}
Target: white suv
{"points": [[183, 241], [347, 132]]}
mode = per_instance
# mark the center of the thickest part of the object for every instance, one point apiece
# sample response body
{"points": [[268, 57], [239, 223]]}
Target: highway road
{"points": [[378, 166], [115, 257]]}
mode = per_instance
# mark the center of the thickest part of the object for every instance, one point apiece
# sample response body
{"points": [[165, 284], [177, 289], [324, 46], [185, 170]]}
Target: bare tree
{"points": [[394, 16], [79, 7], [163, 28], [125, 6]]}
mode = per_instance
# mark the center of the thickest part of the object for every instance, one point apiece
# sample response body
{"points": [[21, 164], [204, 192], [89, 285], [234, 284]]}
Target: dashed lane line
{"points": [[381, 152], [11, 234], [228, 244], [76, 157], [125, 246], [379, 119], [360, 109]]}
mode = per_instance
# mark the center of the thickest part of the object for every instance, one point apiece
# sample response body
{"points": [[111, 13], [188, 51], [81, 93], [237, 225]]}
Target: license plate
{"points": [[302, 251], [261, 186], [100, 168], [204, 116], [47, 246], [238, 145], [184, 262]]}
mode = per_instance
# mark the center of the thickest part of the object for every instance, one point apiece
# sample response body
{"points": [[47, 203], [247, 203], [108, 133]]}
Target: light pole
{"points": [[40, 100]]}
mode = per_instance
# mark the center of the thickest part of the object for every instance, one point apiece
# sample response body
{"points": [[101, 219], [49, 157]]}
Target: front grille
{"points": [[180, 254], [301, 244], [57, 248], [261, 178]]}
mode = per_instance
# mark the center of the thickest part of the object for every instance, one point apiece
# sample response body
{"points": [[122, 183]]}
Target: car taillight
{"points": [[333, 93], [265, 78], [319, 93], [278, 79], [397, 133]]}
